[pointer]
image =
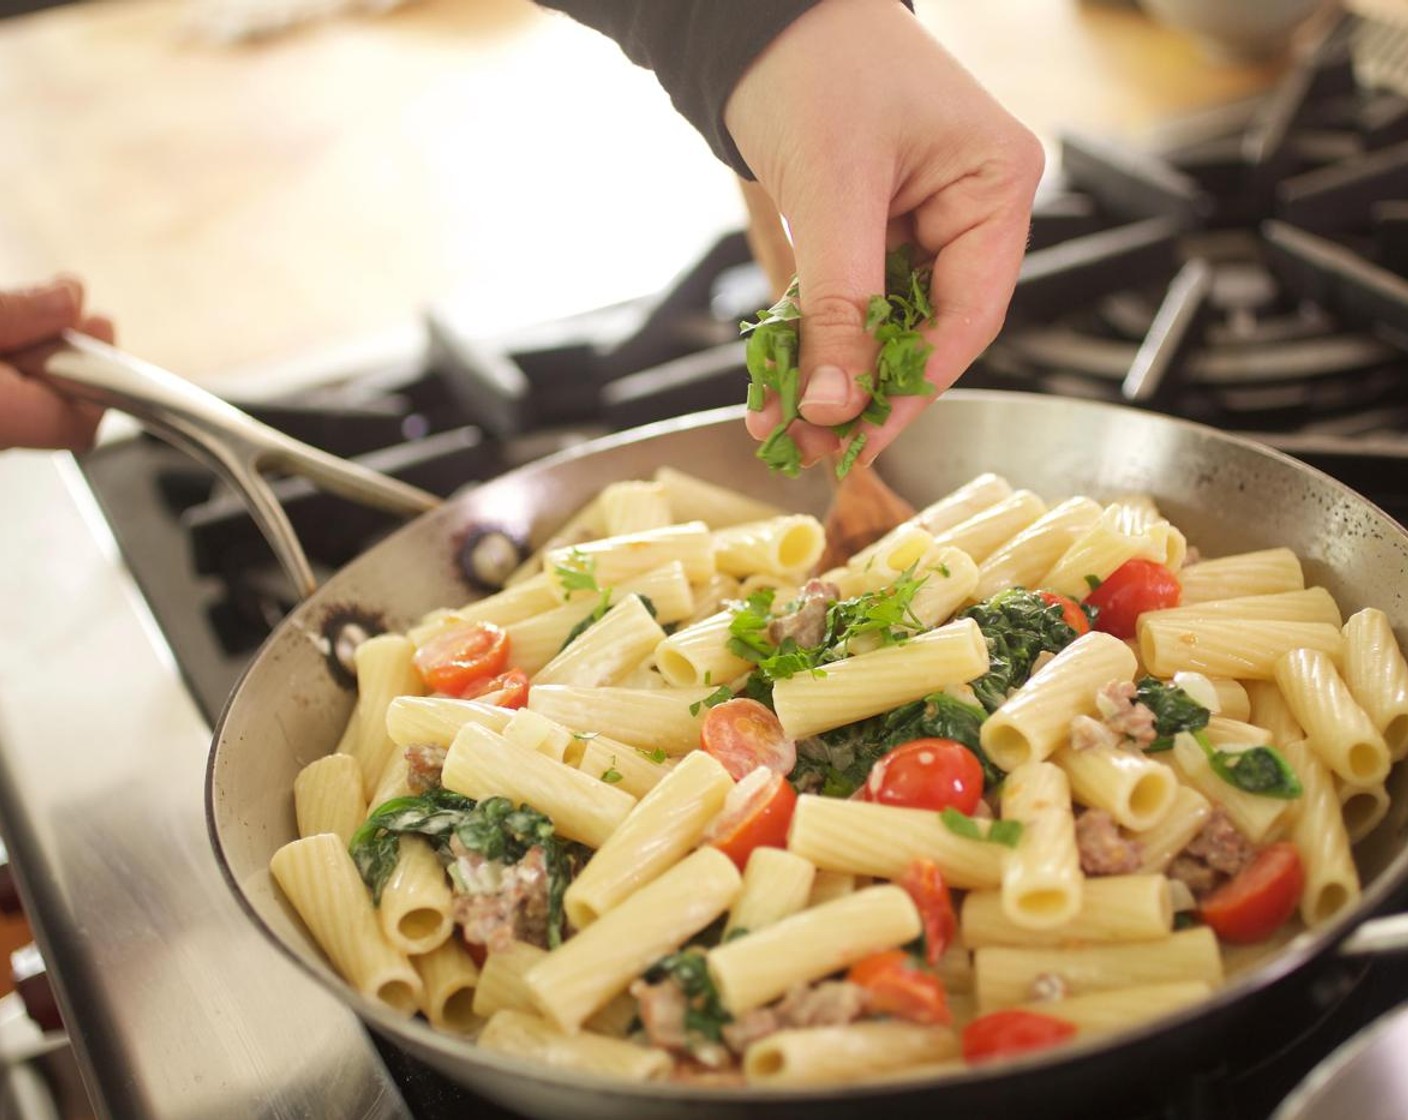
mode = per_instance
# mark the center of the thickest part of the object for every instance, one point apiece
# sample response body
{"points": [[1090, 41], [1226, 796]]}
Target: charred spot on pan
{"points": [[343, 630], [487, 555]]}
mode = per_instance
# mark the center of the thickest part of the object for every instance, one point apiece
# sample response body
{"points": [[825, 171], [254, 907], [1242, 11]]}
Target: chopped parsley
{"points": [[1006, 833], [656, 756], [895, 319], [718, 696], [885, 613]]}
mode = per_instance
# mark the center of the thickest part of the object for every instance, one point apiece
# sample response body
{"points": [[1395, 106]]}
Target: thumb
{"points": [[840, 250], [30, 315]]}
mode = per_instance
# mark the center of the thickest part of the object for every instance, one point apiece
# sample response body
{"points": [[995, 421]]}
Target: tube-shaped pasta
{"points": [[694, 499], [699, 654], [1338, 730], [827, 886], [1233, 700], [607, 650], [869, 683], [894, 554], [1362, 807], [591, 967], [862, 838], [481, 764], [952, 509], [501, 983], [1137, 791], [1098, 552], [1268, 709], [384, 672], [1042, 882], [1319, 834], [415, 902], [663, 827], [776, 884], [829, 1055], [1265, 572], [1104, 1012], [949, 576], [318, 877], [1184, 820], [533, 731], [327, 797], [436, 720], [395, 781], [613, 559], [513, 604], [1036, 719], [758, 967], [986, 531], [1004, 975], [1377, 676], [633, 507], [449, 976], [1113, 908], [786, 546], [1023, 560], [527, 1036], [1256, 816], [651, 719], [711, 598], [1312, 604], [1245, 649], [628, 768], [584, 525], [1138, 515]]}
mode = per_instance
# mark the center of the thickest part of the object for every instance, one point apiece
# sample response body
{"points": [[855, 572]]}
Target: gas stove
{"points": [[1245, 269]]}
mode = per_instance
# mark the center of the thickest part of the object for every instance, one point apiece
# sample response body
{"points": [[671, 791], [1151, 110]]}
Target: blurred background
{"points": [[251, 185]]}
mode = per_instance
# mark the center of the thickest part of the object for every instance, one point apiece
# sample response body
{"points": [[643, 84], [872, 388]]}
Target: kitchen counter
{"points": [[243, 207]]}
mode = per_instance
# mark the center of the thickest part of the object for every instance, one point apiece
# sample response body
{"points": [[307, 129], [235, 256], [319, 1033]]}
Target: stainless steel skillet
{"points": [[1226, 494]]}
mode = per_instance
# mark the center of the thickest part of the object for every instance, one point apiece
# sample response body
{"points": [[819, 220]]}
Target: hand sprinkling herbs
{"points": [[894, 319]]}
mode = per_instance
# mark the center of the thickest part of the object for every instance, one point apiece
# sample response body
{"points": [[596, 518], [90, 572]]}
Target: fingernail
{"points": [[60, 297], [829, 385]]}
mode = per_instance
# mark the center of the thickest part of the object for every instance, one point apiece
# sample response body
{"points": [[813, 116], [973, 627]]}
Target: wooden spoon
{"points": [[863, 509]]}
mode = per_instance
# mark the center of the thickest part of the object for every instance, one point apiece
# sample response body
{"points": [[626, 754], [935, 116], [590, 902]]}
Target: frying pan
{"points": [[1225, 493]]}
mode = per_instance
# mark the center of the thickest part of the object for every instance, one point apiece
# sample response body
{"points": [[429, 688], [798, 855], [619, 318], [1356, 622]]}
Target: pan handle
{"points": [[1377, 936], [236, 446]]}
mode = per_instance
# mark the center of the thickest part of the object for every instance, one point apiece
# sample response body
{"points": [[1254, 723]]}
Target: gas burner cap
{"points": [[1243, 286]]}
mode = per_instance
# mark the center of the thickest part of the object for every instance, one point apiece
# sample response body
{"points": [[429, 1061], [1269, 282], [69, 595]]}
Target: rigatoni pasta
{"points": [[677, 695]]}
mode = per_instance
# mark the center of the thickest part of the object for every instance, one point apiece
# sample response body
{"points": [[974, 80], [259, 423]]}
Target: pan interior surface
{"points": [[1226, 495]]}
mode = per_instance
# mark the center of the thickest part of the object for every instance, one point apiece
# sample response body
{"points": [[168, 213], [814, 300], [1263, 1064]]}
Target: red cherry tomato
{"points": [[1013, 1031], [927, 774], [756, 814], [923, 882], [1131, 589], [897, 986], [743, 735], [1254, 904], [507, 690], [1071, 613], [451, 661]]}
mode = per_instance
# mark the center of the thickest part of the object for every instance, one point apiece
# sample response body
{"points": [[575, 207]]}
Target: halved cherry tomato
{"points": [[927, 774], [743, 735], [924, 883], [450, 662], [1131, 589], [900, 987], [1071, 614], [1013, 1031], [508, 690], [1254, 904], [756, 814]]}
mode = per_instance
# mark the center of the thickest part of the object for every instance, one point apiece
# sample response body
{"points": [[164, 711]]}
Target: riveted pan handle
{"points": [[236, 446]]}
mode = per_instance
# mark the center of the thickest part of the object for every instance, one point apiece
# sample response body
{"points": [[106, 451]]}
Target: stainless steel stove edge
{"points": [[177, 1007]]}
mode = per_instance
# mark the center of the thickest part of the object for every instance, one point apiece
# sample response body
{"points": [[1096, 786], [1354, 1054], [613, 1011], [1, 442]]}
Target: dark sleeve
{"points": [[697, 48]]}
